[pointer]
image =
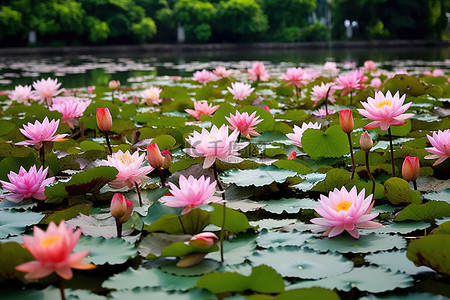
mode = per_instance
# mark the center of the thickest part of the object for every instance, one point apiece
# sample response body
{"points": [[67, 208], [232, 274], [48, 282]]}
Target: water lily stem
{"points": [[119, 228], [415, 184], [326, 101], [239, 137], [182, 225], [138, 190], [42, 154], [112, 96], [351, 155], [392, 152], [222, 230], [108, 143], [368, 172], [351, 98], [61, 288], [161, 176]]}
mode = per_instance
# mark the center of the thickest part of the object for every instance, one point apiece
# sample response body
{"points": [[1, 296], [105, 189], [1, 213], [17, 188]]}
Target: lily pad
{"points": [[302, 263], [398, 192], [288, 205], [205, 266], [395, 261], [431, 251], [269, 239], [331, 143], [398, 227], [336, 178], [13, 222], [50, 293], [310, 181], [261, 176], [424, 212], [309, 293], [11, 255], [237, 250]]}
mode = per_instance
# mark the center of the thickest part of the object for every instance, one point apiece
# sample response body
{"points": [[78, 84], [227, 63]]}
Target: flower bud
{"points": [[155, 159], [365, 142], [104, 119], [91, 88], [191, 260], [346, 120], [167, 159], [203, 240], [411, 168], [114, 84], [267, 108], [292, 156], [121, 209]]}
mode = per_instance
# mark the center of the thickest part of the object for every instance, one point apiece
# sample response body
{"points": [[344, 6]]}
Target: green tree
{"points": [[10, 21], [195, 16]]}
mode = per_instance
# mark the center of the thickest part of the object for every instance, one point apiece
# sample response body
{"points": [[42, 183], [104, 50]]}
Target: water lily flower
{"points": [[52, 250], [322, 112], [27, 184], [240, 90], [215, 144], [411, 168], [258, 72], [296, 137], [322, 91], [191, 193], [114, 84], [345, 210], [129, 166], [348, 82], [441, 146], [244, 123], [151, 95], [46, 89], [41, 132], [222, 72], [203, 240], [435, 73], [294, 76], [202, 108], [22, 94], [71, 108], [121, 209], [104, 119], [376, 83], [385, 110], [369, 65], [203, 76], [330, 68], [91, 89]]}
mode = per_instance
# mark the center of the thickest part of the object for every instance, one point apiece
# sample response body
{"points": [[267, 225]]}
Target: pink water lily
{"points": [[321, 112], [349, 82], [46, 89], [202, 108], [240, 90], [441, 146], [71, 108], [258, 72], [294, 76], [322, 91], [296, 137], [27, 184], [213, 144], [385, 110], [151, 95], [244, 123], [52, 250], [330, 67], [22, 94], [203, 76], [345, 210], [129, 166], [191, 193], [41, 132], [222, 72]]}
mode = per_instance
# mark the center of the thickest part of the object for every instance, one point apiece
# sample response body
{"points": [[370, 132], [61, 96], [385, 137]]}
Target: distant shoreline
{"points": [[177, 48]]}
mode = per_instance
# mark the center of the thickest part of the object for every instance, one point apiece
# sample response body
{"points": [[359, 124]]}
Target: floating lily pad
{"points": [[366, 243], [310, 181], [395, 261], [370, 279], [11, 255], [50, 293], [288, 205], [431, 251], [398, 227], [112, 251], [269, 239], [409, 296], [309, 293], [398, 192], [331, 143], [272, 223], [13, 222], [205, 266], [237, 250], [424, 212], [261, 176], [335, 179], [439, 196], [302, 263], [158, 293]]}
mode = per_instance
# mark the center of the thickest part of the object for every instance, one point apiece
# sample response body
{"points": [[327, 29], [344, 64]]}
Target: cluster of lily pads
{"points": [[208, 188]]}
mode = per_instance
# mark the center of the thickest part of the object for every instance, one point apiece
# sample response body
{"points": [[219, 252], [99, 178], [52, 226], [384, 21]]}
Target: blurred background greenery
{"points": [[100, 22]]}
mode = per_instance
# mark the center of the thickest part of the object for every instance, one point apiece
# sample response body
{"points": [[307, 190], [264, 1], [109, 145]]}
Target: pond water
{"points": [[84, 70]]}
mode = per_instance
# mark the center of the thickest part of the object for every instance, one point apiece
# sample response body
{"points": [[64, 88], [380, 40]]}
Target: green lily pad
{"points": [[439, 196], [370, 279], [292, 165], [68, 214], [431, 251], [142, 277], [366, 243], [13, 222], [90, 181], [112, 251], [395, 261], [398, 192], [269, 239], [396, 130], [310, 293], [272, 223], [205, 266], [262, 279], [11, 255], [164, 142], [335, 179], [6, 127], [237, 250], [398, 227], [424, 212], [89, 145], [288, 205], [310, 181], [261, 176], [443, 228], [331, 143], [409, 296], [158, 293], [411, 86], [268, 120], [302, 263], [50, 292]]}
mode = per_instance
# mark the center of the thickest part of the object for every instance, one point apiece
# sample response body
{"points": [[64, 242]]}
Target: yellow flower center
{"points": [[383, 103], [49, 241], [344, 205], [125, 159]]}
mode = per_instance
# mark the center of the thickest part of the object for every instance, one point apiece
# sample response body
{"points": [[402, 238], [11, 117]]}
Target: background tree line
{"points": [[80, 22]]}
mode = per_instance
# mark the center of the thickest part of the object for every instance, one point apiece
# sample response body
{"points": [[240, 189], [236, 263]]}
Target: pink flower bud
{"points": [[121, 209], [267, 108], [376, 83], [91, 88], [167, 159], [104, 119], [136, 100], [203, 240], [292, 156], [114, 84], [155, 159], [346, 120], [365, 142], [411, 168], [190, 260]]}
